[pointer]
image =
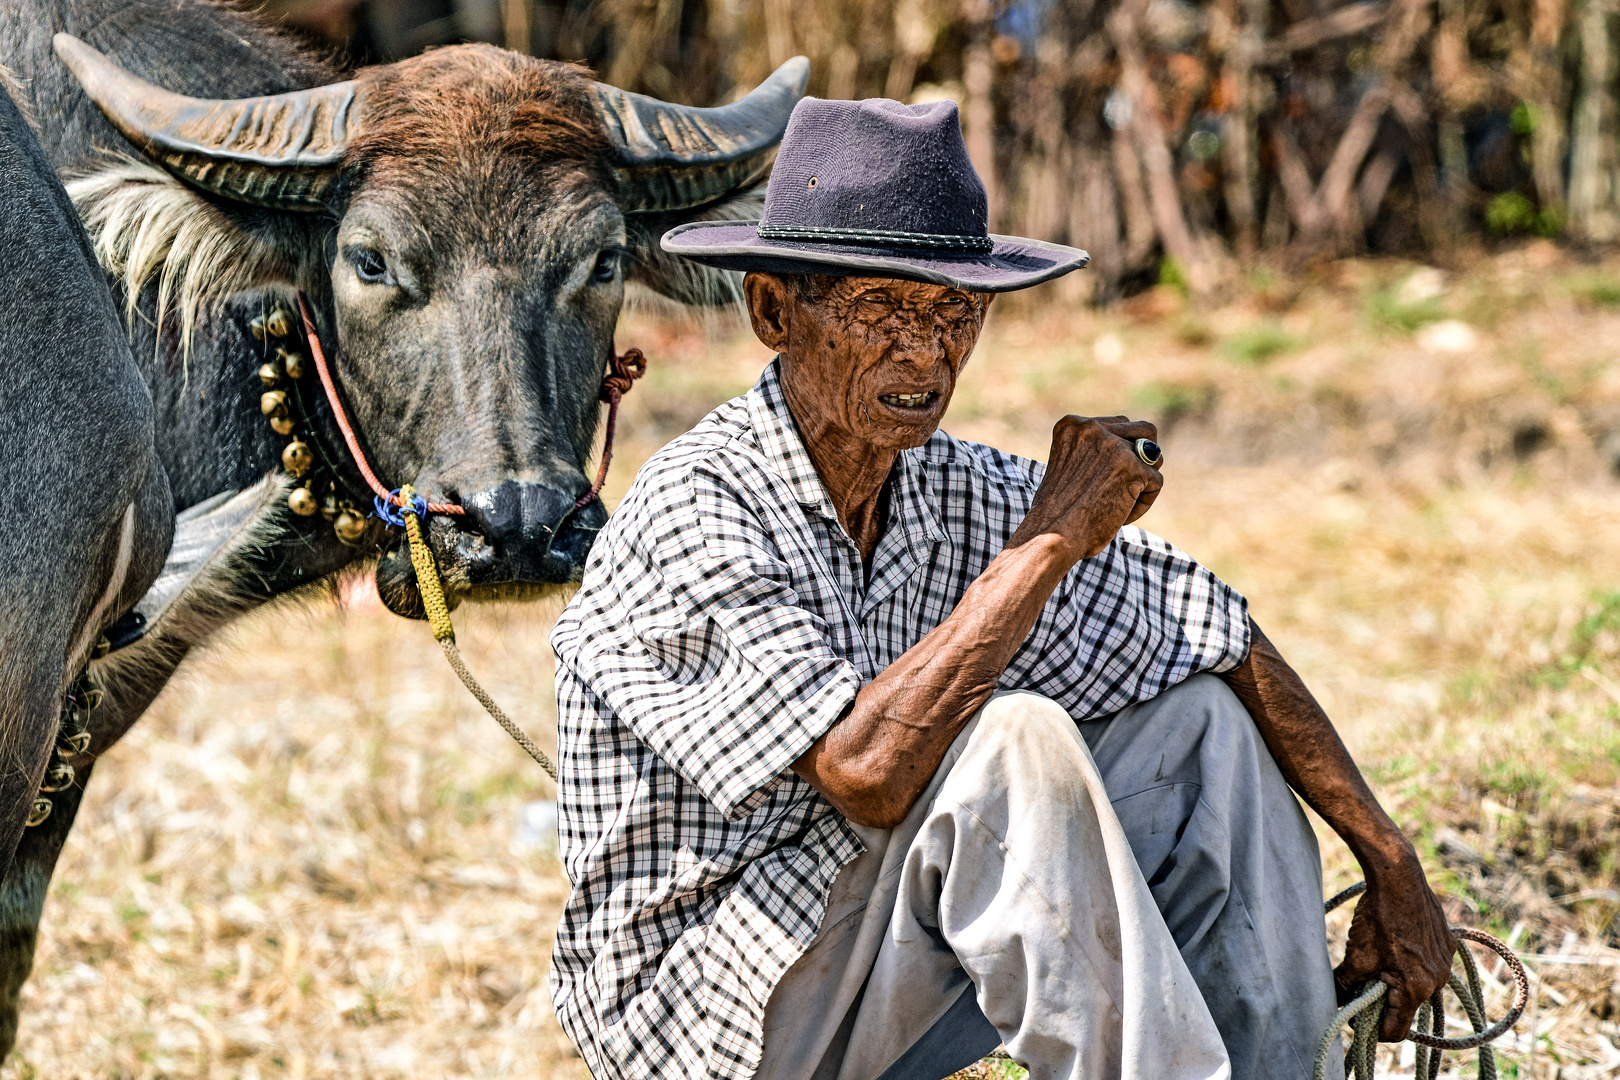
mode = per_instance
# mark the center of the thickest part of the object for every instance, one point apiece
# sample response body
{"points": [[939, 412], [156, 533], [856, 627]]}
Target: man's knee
{"points": [[1027, 721], [1203, 701], [1019, 740], [1195, 733]]}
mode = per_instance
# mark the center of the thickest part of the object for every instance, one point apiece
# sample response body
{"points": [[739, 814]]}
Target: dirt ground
{"points": [[312, 858]]}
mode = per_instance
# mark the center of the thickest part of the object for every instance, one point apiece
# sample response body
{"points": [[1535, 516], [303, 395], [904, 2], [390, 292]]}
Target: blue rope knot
{"points": [[386, 508]]}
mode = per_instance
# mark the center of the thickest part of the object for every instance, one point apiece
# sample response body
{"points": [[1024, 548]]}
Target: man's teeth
{"points": [[909, 401]]}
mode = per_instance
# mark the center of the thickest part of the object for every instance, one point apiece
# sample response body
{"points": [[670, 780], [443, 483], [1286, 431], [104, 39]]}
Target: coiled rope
{"points": [[1365, 1014], [412, 510]]}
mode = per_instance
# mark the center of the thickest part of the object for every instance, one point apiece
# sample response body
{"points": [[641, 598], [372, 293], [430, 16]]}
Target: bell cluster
{"points": [[72, 739], [279, 402]]}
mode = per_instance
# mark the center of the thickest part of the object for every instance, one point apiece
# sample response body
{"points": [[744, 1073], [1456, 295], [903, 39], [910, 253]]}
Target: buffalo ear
{"points": [[675, 157], [281, 150], [678, 278]]}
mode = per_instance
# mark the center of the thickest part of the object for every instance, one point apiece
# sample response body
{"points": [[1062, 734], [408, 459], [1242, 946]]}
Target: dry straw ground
{"points": [[307, 861]]}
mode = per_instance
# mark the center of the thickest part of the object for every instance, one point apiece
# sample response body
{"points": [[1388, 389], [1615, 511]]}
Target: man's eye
{"points": [[607, 266], [369, 266]]}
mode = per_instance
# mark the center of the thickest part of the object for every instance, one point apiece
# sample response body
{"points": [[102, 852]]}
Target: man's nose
{"points": [[921, 350]]}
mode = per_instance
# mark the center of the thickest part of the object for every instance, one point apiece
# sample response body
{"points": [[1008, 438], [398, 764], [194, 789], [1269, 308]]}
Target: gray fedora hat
{"points": [[876, 188]]}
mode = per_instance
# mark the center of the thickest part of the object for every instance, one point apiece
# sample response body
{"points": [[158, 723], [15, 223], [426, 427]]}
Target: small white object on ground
{"points": [[1108, 349], [537, 827], [1423, 284], [1448, 336]]}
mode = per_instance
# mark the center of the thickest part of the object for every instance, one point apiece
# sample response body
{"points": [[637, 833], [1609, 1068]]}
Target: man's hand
{"points": [[1094, 483], [1398, 935], [1399, 932]]}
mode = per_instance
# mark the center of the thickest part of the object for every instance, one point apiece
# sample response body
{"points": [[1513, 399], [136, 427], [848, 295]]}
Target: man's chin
{"points": [[903, 437], [899, 428]]}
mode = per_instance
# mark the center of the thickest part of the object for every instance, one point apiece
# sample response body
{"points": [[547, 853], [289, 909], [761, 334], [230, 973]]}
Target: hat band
{"points": [[880, 237]]}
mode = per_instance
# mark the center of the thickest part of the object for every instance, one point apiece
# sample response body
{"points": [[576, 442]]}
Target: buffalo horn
{"points": [[281, 150], [674, 157]]}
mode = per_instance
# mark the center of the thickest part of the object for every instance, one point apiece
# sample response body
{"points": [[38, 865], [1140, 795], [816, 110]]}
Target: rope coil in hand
{"points": [[404, 507], [1365, 1014]]}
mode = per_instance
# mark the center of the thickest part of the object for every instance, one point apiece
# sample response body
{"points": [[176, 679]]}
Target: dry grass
{"points": [[303, 863]]}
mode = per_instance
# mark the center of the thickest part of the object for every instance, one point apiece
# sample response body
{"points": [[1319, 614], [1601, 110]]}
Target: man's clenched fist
{"points": [[1095, 483]]}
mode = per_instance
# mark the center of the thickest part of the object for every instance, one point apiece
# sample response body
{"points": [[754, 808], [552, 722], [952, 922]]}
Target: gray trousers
{"points": [[1134, 897]]}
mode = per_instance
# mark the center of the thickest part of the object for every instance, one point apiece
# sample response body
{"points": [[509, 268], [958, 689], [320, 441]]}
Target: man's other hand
{"points": [[1399, 932], [1398, 935], [1095, 483]]}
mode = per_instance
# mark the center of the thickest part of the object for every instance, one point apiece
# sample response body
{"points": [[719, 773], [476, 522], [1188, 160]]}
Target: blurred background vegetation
{"points": [[1177, 142]]}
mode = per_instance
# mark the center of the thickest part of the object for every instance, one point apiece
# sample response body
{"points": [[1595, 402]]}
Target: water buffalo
{"points": [[463, 225], [87, 505]]}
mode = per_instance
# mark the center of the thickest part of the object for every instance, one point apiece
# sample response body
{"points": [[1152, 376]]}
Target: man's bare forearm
{"points": [[1398, 933], [874, 762], [1313, 758]]}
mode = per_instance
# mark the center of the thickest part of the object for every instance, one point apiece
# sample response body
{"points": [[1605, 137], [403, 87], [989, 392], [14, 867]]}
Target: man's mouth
{"points": [[909, 401]]}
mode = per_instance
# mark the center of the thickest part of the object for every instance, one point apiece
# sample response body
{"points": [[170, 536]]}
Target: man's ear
{"points": [[770, 309]]}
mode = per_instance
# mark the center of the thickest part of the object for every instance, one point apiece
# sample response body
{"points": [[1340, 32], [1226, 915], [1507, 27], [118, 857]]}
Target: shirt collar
{"points": [[785, 453]]}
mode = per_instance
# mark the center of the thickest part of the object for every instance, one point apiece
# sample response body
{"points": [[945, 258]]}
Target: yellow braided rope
{"points": [[438, 613], [427, 573]]}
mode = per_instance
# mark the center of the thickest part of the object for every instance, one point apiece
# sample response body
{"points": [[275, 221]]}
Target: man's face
{"points": [[875, 359]]}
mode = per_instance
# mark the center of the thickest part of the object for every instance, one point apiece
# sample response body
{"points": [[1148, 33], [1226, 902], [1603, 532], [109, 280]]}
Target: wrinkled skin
{"points": [[863, 339], [1399, 933], [851, 343]]}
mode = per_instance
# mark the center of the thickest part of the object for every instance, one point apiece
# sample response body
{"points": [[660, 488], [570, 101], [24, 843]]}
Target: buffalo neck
{"points": [[212, 436]]}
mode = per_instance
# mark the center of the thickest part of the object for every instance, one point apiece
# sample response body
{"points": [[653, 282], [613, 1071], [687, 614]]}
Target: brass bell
{"points": [[92, 697], [329, 506], [57, 777], [74, 744], [278, 323], [257, 326], [302, 502], [350, 527], [38, 812], [298, 458], [273, 403], [282, 425], [269, 374], [292, 363]]}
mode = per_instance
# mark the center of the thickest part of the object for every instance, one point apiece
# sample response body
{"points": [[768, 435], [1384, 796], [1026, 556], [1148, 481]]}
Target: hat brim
{"points": [[1013, 263]]}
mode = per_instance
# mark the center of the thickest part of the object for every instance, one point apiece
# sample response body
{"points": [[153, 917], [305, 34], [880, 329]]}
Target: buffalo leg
{"points": [[22, 899]]}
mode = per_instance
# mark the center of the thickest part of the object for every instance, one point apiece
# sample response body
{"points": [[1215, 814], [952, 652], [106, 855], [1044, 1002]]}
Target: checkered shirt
{"points": [[724, 624]]}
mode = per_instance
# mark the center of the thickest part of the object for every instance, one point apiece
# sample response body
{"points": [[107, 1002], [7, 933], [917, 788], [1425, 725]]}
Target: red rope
{"points": [[626, 370]]}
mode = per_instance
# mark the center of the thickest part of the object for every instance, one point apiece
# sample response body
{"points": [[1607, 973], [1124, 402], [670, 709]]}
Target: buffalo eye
{"points": [[369, 265], [606, 267]]}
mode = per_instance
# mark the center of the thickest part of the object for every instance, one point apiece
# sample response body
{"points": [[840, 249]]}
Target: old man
{"points": [[879, 748]]}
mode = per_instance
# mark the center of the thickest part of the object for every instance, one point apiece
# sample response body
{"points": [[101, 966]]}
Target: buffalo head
{"points": [[464, 224]]}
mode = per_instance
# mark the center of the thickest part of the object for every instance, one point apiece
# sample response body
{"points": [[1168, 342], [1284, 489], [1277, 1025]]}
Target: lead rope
{"points": [[413, 510], [1365, 1014], [438, 613]]}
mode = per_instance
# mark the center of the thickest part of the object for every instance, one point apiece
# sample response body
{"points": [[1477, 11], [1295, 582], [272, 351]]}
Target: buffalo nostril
{"points": [[518, 514], [498, 512]]}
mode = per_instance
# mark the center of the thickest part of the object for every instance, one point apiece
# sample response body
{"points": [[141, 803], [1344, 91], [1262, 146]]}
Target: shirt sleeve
{"points": [[1128, 624], [690, 630]]}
